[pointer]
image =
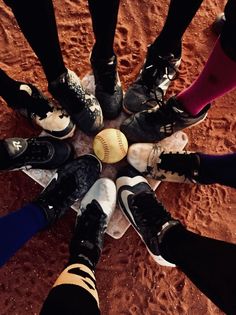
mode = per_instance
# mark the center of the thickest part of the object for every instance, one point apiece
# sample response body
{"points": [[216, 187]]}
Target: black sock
{"points": [[104, 17], [179, 16], [37, 22]]}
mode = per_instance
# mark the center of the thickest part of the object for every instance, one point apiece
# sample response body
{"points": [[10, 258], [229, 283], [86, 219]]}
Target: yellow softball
{"points": [[110, 145]]}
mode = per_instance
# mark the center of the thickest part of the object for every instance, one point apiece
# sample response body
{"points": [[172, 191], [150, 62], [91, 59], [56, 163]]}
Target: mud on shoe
{"points": [[42, 152], [96, 209], [152, 83], [146, 214], [152, 161], [108, 88], [82, 106], [156, 124], [70, 183], [31, 103]]}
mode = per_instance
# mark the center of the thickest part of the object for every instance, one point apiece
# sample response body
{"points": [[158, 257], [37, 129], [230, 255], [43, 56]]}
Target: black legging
{"points": [[37, 22], [209, 264]]}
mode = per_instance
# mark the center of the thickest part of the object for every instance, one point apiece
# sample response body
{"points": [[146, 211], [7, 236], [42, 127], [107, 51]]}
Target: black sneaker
{"points": [[108, 88], [146, 214], [218, 24], [156, 124], [82, 106], [42, 152], [96, 209], [31, 103], [69, 184], [152, 82]]}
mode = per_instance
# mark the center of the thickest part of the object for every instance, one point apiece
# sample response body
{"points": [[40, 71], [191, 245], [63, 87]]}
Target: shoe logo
{"points": [[167, 128], [124, 197], [50, 207], [17, 145]]}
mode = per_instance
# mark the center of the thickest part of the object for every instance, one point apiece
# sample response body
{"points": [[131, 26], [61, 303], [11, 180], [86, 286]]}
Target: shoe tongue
{"points": [[15, 146]]}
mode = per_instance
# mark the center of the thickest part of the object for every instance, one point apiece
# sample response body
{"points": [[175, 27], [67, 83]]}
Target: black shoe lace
{"points": [[184, 164], [162, 66], [149, 212], [36, 104], [36, 152]]}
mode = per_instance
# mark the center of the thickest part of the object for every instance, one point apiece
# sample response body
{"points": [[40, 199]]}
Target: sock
{"points": [[217, 77], [179, 17], [104, 17], [37, 22], [18, 227], [219, 169]]}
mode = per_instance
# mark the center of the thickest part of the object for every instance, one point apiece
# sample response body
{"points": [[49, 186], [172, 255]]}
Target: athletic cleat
{"points": [[82, 106], [152, 82], [146, 214], [152, 161], [96, 209], [108, 88], [42, 152], [31, 103], [70, 183], [156, 124]]}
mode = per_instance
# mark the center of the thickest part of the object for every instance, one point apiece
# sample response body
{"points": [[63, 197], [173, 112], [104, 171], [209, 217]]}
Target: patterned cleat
{"points": [[30, 102], [96, 209], [82, 106], [152, 161], [69, 184], [42, 152], [146, 214], [152, 83], [108, 88], [156, 124]]}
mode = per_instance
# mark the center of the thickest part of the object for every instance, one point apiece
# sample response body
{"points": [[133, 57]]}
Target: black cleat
{"points": [[82, 106], [41, 152], [152, 82], [96, 209], [146, 214], [108, 88], [156, 124], [69, 184]]}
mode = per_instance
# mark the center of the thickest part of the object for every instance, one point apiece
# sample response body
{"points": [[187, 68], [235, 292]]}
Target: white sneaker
{"points": [[152, 161], [103, 192]]}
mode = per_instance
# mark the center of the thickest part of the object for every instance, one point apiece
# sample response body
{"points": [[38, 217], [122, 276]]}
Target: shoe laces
{"points": [[91, 225], [38, 105], [36, 152], [160, 67], [149, 212], [182, 163]]}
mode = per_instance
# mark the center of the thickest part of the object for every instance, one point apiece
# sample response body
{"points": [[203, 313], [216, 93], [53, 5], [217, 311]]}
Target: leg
{"points": [[208, 263], [75, 290], [18, 227], [49, 206], [162, 60], [104, 17], [37, 22], [73, 293], [103, 59]]}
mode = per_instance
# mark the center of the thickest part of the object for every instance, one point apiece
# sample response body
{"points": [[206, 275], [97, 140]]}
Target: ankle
{"points": [[160, 49]]}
